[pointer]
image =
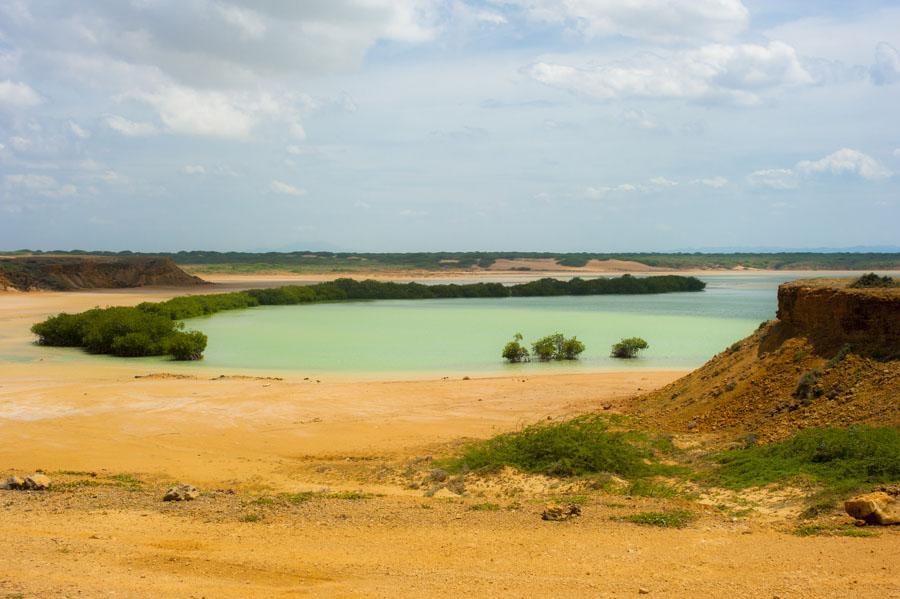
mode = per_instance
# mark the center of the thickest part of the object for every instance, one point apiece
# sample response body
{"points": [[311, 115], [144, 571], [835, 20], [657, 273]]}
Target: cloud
{"points": [[79, 131], [886, 69], [843, 162], [18, 95], [774, 178], [654, 185], [286, 188], [130, 128], [44, 185], [897, 153], [846, 162], [187, 111], [219, 44], [662, 182], [248, 22], [193, 169], [653, 20], [740, 74], [640, 119], [714, 182]]}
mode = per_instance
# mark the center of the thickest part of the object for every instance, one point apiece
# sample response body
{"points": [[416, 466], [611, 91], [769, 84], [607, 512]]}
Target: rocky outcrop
{"points": [[36, 482], [67, 273], [183, 492], [830, 314], [555, 512], [874, 508], [829, 360]]}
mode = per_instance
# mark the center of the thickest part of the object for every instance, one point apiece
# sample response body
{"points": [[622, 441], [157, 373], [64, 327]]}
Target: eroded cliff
{"points": [[70, 273], [830, 359]]}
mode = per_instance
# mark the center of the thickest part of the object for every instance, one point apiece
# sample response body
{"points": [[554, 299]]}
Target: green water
{"points": [[466, 335]]}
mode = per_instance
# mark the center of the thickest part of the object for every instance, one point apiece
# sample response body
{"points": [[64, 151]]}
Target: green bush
{"points": [[557, 347], [871, 280], [838, 459], [583, 445], [514, 351], [628, 348], [185, 346]]}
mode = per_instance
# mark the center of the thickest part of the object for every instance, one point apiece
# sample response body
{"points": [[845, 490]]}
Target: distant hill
{"points": [[66, 273], [349, 262]]}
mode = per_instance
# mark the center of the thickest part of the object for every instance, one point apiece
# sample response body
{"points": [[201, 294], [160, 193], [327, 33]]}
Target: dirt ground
{"points": [[322, 489]]}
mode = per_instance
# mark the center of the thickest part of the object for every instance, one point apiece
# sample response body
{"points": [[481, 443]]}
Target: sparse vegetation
{"points": [[485, 507], [872, 281], [839, 460], [628, 348], [665, 519], [648, 488], [808, 386], [583, 445], [249, 518], [816, 530]]}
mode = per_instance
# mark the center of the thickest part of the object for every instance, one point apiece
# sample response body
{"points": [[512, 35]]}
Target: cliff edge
{"points": [[832, 358]]}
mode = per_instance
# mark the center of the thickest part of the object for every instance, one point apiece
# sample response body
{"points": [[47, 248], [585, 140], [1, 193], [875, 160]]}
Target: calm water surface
{"points": [[466, 335]]}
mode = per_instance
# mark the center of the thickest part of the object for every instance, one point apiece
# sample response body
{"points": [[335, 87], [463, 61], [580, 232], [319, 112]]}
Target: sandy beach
{"points": [[246, 440]]}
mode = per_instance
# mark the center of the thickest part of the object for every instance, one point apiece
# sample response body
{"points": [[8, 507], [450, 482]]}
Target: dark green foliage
{"points": [[628, 348], [185, 346], [871, 280], [514, 351], [583, 445], [557, 347], [62, 330], [838, 459], [626, 284]]}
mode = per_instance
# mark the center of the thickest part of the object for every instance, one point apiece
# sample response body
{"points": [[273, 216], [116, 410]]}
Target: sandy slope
{"points": [[257, 437]]}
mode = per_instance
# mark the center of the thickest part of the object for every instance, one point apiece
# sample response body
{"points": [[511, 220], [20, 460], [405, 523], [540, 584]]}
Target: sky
{"points": [[427, 125]]}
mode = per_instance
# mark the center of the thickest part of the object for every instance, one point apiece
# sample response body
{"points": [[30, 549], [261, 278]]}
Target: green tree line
{"points": [[154, 328]]}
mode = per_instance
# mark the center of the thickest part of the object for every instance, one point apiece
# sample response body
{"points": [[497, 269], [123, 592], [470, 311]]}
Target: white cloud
{"points": [[655, 20], [842, 162], [286, 188], [897, 153], [846, 161], [193, 169], [130, 128], [655, 184], [886, 69], [774, 178], [79, 131], [188, 111], [18, 95], [714, 182], [248, 23], [44, 185], [640, 119], [739, 74]]}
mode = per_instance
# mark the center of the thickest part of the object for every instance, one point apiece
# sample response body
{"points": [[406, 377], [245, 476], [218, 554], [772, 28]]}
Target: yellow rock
{"points": [[874, 508]]}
